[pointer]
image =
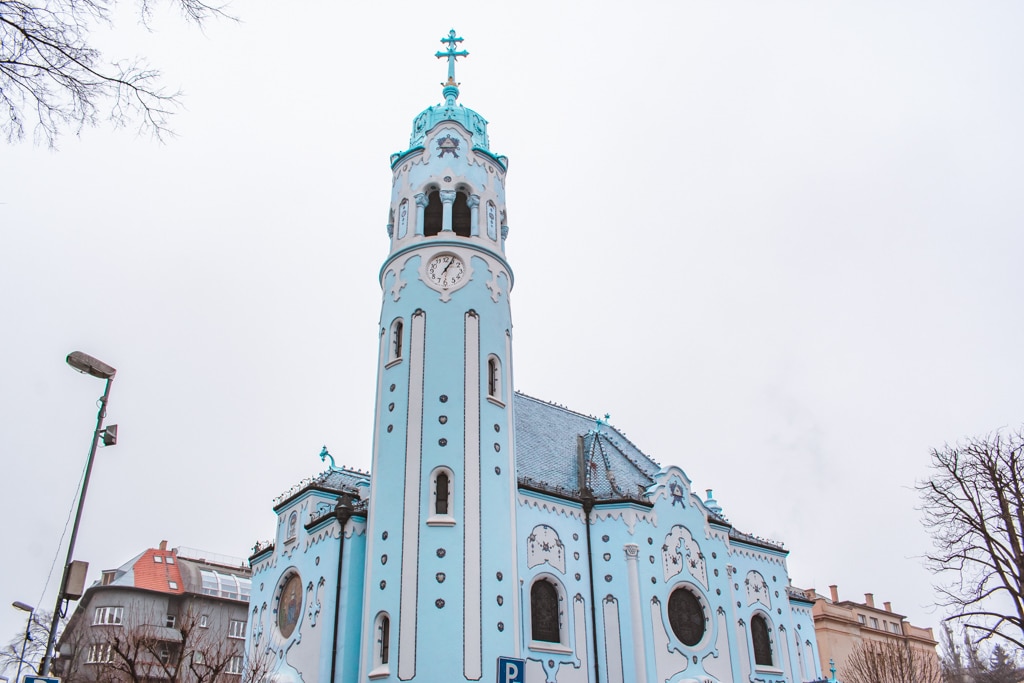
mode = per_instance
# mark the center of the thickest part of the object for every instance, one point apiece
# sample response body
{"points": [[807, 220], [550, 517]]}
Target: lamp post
{"points": [[28, 633], [88, 365]]}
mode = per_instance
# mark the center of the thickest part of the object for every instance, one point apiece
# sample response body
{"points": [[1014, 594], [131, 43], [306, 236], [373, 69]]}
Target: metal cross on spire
{"points": [[452, 54]]}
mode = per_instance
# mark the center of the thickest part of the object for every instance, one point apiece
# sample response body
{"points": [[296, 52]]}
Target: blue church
{"points": [[502, 537]]}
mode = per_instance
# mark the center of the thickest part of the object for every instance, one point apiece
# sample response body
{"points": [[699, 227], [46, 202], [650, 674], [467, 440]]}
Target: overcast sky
{"points": [[779, 242]]}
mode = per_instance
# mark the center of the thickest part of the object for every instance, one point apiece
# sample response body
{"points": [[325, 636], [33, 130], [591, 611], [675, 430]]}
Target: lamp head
{"points": [[88, 365], [17, 604]]}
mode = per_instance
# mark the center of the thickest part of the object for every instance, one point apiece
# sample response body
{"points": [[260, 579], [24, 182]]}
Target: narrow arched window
{"points": [[403, 218], [461, 221], [385, 638], [293, 524], [494, 377], [397, 329], [433, 214], [762, 640], [544, 612], [443, 489], [492, 221], [381, 645]]}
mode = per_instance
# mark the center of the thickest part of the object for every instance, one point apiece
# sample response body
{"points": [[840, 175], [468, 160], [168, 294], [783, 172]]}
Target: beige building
{"points": [[842, 625]]}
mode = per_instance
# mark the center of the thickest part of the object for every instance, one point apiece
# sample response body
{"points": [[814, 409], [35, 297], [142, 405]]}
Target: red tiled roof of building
{"points": [[154, 572]]}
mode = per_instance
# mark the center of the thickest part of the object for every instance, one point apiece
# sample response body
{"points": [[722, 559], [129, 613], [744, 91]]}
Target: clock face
{"points": [[446, 270]]}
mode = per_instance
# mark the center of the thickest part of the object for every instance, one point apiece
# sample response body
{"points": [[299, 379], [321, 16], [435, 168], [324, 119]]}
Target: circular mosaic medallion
{"points": [[289, 605]]}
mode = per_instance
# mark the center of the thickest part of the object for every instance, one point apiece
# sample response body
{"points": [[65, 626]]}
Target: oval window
{"points": [[686, 617], [289, 607]]}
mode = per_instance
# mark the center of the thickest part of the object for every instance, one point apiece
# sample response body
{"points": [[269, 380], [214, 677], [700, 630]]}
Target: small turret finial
{"points": [[451, 88]]}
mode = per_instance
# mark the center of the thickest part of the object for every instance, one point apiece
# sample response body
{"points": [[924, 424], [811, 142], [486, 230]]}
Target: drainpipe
{"points": [[588, 506], [343, 512]]}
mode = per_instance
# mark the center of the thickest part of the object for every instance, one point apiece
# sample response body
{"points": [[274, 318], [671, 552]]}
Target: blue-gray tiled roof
{"points": [[547, 453]]}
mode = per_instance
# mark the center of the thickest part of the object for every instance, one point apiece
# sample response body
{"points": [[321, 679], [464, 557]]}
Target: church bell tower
{"points": [[443, 600]]}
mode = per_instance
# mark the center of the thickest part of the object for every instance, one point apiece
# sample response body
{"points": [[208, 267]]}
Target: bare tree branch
{"points": [[52, 79], [973, 508]]}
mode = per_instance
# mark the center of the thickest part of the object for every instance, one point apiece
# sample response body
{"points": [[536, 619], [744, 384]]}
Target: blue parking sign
{"points": [[511, 670]]}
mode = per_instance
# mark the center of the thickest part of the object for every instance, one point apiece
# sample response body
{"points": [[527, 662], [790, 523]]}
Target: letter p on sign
{"points": [[511, 670]]}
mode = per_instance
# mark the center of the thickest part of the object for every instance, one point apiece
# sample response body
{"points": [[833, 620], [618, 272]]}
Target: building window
{"points": [[225, 585], [197, 657], [395, 347], [544, 608], [461, 223], [494, 378], [381, 646], [862, 619], [170, 621], [236, 629], [100, 653], [170, 559], [173, 585], [441, 499], [686, 616], [759, 634], [874, 622], [492, 221], [234, 666], [433, 214], [108, 578], [442, 490], [108, 616], [158, 558], [165, 655], [896, 628], [293, 526], [403, 218], [203, 621]]}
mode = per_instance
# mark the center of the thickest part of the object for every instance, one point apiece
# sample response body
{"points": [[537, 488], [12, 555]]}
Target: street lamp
{"points": [[88, 365], [28, 633]]}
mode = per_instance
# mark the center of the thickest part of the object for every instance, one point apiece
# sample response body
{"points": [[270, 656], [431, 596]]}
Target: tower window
{"points": [[461, 222], [441, 498], [403, 218], [395, 343], [494, 378], [544, 608], [433, 214], [492, 221], [762, 640]]}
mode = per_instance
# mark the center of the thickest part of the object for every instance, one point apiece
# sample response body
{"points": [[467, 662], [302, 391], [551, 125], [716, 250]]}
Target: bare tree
{"points": [[139, 652], [52, 78], [38, 629], [890, 662], [974, 508]]}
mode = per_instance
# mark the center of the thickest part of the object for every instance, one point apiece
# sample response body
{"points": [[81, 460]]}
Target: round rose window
{"points": [[289, 607]]}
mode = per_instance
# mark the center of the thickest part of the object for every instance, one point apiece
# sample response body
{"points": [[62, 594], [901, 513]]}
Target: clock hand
{"points": [[447, 267]]}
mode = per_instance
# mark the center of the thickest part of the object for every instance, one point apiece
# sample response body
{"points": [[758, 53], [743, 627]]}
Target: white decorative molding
{"points": [[545, 505], [544, 546], [314, 600], [493, 285], [635, 609], [757, 589], [756, 555], [680, 552], [669, 658], [472, 647], [629, 516], [411, 510], [612, 640]]}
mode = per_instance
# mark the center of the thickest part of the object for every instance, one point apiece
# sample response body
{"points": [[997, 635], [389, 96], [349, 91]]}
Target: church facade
{"points": [[501, 537]]}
